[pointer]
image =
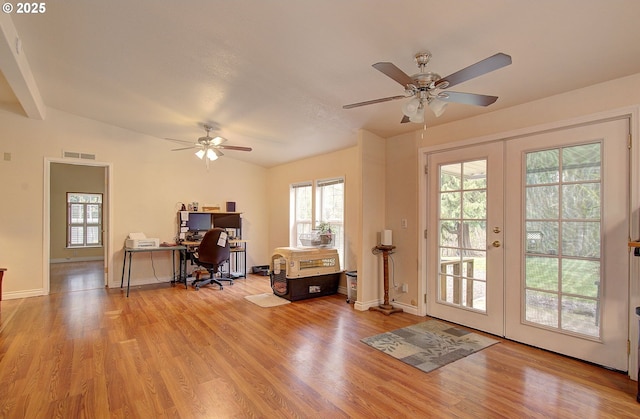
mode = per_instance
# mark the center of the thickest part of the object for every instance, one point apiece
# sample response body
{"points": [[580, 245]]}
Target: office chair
{"points": [[210, 255]]}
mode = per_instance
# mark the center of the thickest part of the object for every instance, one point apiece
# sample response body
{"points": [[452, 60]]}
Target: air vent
{"points": [[78, 155]]}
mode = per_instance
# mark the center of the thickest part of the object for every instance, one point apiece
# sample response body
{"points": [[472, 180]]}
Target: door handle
{"points": [[496, 243]]}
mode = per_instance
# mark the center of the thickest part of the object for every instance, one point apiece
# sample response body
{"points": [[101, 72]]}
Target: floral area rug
{"points": [[429, 345]]}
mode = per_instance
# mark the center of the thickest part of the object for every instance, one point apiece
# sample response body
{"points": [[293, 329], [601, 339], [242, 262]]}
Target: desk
{"points": [[457, 277], [1, 275], [237, 255], [172, 249]]}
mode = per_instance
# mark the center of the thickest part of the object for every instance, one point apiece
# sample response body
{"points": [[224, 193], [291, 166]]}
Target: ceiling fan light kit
{"points": [[208, 147], [426, 87], [210, 154]]}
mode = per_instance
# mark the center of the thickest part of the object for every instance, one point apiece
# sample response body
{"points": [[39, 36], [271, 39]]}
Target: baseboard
{"points": [[407, 308], [396, 304], [77, 259], [23, 294]]}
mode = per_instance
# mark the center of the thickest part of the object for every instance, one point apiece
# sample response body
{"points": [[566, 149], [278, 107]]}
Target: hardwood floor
{"points": [[171, 352], [76, 276]]}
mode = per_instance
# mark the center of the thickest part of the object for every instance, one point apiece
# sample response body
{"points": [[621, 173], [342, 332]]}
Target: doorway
{"points": [[528, 240], [69, 268], [76, 276], [467, 214]]}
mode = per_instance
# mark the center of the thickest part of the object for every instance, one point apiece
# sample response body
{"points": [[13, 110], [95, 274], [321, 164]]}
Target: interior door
{"points": [[566, 244], [464, 237]]}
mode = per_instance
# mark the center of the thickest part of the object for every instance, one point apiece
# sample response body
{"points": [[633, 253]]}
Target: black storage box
{"points": [[307, 287], [260, 270]]}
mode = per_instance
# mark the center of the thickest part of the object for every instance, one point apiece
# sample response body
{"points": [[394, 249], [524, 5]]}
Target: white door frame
{"points": [[46, 222], [491, 319], [633, 113]]}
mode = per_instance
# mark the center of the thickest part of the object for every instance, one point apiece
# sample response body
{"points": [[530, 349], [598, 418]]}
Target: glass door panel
{"points": [[466, 261], [568, 226], [463, 230], [562, 282]]}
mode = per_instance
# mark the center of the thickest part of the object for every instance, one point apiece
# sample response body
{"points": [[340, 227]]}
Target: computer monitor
{"points": [[223, 220], [199, 222]]}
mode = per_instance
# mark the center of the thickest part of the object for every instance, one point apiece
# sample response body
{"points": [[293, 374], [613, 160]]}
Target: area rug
{"points": [[267, 300], [429, 345]]}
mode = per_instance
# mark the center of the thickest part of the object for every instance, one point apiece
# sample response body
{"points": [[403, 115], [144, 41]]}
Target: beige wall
{"points": [[601, 97], [148, 181], [364, 169], [401, 204], [71, 178], [372, 219], [339, 163], [403, 159]]}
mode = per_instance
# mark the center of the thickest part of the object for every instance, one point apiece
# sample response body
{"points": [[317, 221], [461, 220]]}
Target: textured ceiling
{"points": [[273, 75]]}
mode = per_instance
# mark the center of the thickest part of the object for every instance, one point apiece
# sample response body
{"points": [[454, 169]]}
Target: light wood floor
{"points": [[76, 276], [171, 352]]}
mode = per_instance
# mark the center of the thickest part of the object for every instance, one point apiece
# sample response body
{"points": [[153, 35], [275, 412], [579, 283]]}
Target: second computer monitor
{"points": [[199, 222]]}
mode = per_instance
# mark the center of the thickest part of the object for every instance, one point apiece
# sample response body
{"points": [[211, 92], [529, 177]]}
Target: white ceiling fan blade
{"points": [[218, 140]]}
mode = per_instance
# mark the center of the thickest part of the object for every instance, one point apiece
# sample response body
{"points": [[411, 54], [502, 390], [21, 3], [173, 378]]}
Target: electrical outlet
{"points": [[405, 287], [403, 223]]}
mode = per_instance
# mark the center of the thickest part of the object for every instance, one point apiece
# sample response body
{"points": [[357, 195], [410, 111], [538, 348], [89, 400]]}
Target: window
{"points": [[84, 220], [317, 204], [301, 211]]}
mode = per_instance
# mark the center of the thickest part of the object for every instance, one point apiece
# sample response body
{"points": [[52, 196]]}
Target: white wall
{"points": [[148, 181]]}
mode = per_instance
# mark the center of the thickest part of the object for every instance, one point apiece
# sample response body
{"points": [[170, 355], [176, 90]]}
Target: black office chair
{"points": [[211, 255]]}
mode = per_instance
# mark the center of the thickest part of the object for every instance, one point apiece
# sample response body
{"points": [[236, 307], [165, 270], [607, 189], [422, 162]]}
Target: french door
{"points": [[568, 233], [465, 237], [527, 239]]}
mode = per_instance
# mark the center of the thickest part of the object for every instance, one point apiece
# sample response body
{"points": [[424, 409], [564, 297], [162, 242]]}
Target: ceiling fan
{"points": [[208, 147], [427, 88]]}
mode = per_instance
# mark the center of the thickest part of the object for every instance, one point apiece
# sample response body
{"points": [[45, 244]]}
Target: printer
{"points": [[140, 241]]}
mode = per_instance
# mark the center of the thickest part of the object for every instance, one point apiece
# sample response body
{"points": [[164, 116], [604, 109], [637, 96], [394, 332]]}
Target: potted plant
{"points": [[326, 235]]}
